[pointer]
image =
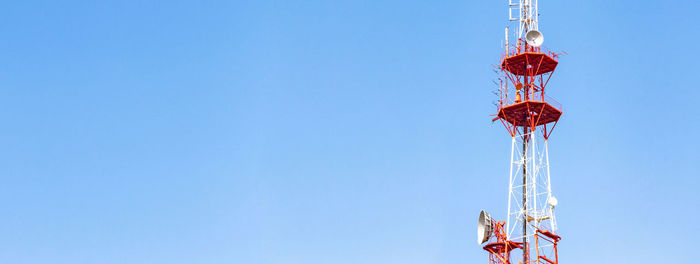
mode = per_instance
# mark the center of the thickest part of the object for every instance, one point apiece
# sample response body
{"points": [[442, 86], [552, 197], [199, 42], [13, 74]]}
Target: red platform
{"points": [[550, 235], [530, 63], [529, 113], [502, 247]]}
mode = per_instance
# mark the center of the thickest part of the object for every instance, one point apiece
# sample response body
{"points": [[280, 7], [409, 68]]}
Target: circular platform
{"points": [[529, 113], [529, 63], [502, 247]]}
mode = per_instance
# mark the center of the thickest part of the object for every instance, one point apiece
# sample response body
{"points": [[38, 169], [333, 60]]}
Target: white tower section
{"points": [[524, 11], [530, 200]]}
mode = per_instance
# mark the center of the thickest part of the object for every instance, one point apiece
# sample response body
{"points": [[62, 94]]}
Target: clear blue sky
{"points": [[333, 131]]}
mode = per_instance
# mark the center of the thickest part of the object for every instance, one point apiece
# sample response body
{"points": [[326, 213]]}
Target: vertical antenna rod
{"points": [[507, 41]]}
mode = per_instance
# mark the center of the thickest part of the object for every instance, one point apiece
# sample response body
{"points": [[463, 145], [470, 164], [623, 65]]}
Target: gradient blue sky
{"points": [[333, 131]]}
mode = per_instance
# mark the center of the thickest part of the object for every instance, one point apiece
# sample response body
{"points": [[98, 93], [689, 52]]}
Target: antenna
{"points": [[534, 38], [484, 227], [507, 41], [528, 20]]}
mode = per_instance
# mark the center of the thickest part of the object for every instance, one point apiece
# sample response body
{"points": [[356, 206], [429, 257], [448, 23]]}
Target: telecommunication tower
{"points": [[529, 117]]}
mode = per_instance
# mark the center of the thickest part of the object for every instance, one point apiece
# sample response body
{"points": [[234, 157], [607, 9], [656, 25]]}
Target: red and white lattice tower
{"points": [[530, 230]]}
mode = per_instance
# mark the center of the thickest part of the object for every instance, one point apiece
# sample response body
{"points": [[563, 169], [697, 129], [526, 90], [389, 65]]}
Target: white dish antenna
{"points": [[553, 201], [485, 227], [534, 38]]}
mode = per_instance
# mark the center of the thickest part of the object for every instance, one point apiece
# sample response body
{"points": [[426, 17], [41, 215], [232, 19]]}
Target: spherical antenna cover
{"points": [[484, 228], [534, 38], [553, 201]]}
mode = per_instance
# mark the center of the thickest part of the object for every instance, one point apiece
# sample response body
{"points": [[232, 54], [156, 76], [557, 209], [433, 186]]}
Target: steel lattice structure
{"points": [[529, 117]]}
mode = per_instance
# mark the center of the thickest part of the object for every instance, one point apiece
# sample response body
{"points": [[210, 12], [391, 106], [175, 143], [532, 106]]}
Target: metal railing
{"points": [[535, 97], [515, 49]]}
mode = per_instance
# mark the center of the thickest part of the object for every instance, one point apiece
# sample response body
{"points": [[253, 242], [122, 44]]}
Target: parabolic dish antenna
{"points": [[485, 227], [553, 201], [534, 38]]}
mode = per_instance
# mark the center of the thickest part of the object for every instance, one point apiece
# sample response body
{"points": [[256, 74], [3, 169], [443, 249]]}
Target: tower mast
{"points": [[529, 117]]}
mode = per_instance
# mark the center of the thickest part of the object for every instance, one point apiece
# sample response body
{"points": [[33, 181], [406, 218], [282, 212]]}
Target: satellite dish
{"points": [[483, 231], [553, 201], [534, 38]]}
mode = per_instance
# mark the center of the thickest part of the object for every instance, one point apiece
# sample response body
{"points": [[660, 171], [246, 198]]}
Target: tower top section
{"points": [[527, 68], [527, 15]]}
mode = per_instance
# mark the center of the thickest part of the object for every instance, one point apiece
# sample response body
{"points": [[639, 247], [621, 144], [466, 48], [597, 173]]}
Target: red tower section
{"points": [[523, 103], [499, 251]]}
